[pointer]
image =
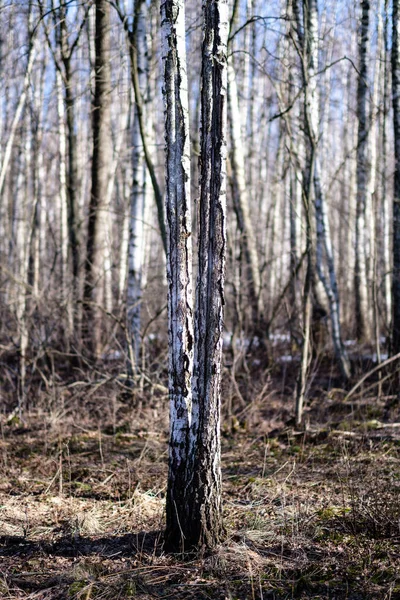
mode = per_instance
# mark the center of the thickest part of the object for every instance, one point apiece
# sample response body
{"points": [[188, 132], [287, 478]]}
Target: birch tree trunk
{"points": [[121, 135], [134, 72], [241, 199], [138, 198], [204, 526], [324, 243], [72, 162], [363, 321], [179, 267], [18, 113], [99, 207], [396, 200], [65, 278], [314, 200]]}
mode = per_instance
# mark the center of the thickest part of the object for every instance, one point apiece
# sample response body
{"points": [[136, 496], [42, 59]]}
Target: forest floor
{"points": [[312, 514]]}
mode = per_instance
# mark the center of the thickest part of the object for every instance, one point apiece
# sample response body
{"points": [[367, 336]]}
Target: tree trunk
{"points": [[241, 200], [363, 321], [65, 277], [134, 72], [396, 200], [138, 200], [385, 206], [72, 170], [20, 106], [99, 208], [179, 267], [324, 244], [204, 525]]}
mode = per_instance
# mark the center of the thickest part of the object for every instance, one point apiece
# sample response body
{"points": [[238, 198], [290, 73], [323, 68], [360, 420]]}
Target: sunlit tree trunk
{"points": [[241, 199], [139, 192], [99, 201], [179, 267], [204, 526], [315, 201], [17, 116], [66, 296], [134, 72]]}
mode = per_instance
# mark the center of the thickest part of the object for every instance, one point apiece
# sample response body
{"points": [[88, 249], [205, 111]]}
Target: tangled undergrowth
{"points": [[312, 514]]}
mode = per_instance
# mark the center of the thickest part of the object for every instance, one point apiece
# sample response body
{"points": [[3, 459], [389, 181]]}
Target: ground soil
{"points": [[308, 514]]}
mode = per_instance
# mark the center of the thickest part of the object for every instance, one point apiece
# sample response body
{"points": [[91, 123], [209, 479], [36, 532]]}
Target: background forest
{"points": [[311, 341]]}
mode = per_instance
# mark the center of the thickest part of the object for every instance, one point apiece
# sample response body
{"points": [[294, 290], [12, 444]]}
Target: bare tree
{"points": [[179, 266], [363, 320], [396, 199], [204, 525], [241, 199], [99, 199], [319, 244]]}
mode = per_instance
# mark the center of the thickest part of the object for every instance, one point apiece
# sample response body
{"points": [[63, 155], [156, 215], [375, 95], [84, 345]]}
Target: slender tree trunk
{"points": [[108, 280], [324, 243], [385, 206], [23, 235], [363, 321], [241, 199], [315, 202], [371, 199], [179, 268], [141, 193], [138, 198], [396, 200], [72, 170], [124, 185], [99, 208], [65, 273], [134, 72], [18, 113]]}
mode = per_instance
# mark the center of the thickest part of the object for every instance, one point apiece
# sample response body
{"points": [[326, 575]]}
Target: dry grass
{"points": [[82, 487]]}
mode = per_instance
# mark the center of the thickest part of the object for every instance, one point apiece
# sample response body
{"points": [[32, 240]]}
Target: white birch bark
{"points": [[179, 264], [66, 297], [18, 112], [135, 245], [205, 526], [22, 246], [241, 198], [124, 187], [139, 198], [324, 244], [108, 291]]}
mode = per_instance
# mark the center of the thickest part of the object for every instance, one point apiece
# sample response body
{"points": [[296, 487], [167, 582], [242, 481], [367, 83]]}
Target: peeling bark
{"points": [[205, 527], [179, 268]]}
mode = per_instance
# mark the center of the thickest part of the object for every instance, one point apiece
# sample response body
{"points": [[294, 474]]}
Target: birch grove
{"points": [[196, 199]]}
